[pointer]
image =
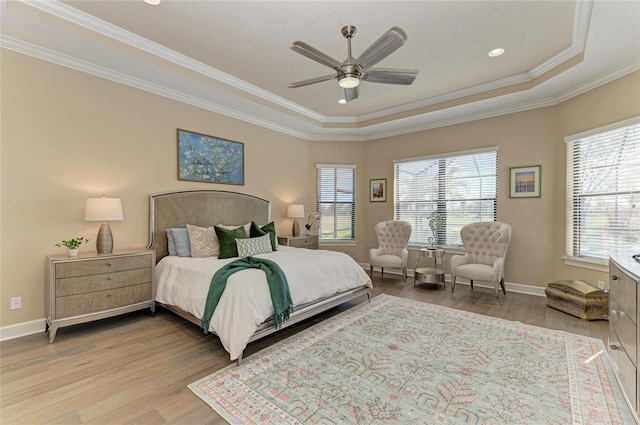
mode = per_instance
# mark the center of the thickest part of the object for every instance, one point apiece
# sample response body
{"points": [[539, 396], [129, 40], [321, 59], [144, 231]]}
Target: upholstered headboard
{"points": [[201, 208]]}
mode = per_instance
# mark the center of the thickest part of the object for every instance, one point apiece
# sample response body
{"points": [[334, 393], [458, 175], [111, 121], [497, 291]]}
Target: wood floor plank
{"points": [[136, 368]]}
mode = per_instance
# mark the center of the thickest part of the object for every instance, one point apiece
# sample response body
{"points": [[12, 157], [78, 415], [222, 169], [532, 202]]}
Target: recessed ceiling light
{"points": [[342, 101], [152, 2], [495, 52]]}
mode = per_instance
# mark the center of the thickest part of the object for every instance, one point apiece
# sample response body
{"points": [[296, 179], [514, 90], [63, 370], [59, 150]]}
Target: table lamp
{"points": [[295, 211], [105, 210]]}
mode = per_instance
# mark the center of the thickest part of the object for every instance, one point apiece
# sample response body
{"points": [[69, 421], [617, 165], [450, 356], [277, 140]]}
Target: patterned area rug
{"points": [[399, 361]]}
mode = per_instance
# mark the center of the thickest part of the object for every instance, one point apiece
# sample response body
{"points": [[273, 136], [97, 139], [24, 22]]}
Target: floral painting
{"points": [[209, 159]]}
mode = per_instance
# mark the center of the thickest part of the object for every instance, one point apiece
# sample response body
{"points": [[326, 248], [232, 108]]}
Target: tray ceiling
{"points": [[234, 57]]}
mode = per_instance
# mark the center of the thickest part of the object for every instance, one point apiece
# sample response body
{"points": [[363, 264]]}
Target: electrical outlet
{"points": [[16, 303], [600, 284]]}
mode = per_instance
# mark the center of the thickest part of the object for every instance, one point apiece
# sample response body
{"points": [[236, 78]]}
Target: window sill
{"points": [[597, 265], [337, 242]]}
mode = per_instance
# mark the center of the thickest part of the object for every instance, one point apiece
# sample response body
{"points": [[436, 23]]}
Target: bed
{"points": [[318, 279]]}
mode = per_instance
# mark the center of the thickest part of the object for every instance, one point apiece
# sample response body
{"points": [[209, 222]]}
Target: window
{"points": [[603, 190], [461, 187], [336, 201]]}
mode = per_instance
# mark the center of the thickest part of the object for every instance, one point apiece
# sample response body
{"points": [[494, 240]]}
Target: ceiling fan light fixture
{"points": [[349, 82]]}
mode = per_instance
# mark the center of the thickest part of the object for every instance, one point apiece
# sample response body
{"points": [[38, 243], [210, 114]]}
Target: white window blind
{"points": [[336, 201], [603, 190], [461, 187]]}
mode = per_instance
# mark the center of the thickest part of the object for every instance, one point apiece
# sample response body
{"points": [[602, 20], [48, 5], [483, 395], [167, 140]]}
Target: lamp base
{"points": [[104, 242], [295, 230]]}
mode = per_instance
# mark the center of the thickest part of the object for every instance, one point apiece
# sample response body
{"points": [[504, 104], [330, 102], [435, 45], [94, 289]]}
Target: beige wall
{"points": [[523, 139], [67, 135], [527, 138]]}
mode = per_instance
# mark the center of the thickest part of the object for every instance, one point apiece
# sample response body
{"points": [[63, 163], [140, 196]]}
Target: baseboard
{"points": [[509, 286], [37, 326], [22, 329]]}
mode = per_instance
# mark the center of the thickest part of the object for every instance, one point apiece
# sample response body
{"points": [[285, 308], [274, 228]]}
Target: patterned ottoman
{"points": [[578, 298]]}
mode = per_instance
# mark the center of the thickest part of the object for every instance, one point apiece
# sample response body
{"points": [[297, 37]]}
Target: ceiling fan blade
{"points": [[351, 94], [316, 55], [391, 41], [312, 81], [390, 76]]}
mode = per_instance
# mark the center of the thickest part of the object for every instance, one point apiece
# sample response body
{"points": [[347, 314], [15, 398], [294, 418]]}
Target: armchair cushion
{"points": [[475, 272], [391, 261]]}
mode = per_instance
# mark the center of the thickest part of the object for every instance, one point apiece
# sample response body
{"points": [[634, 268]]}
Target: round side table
{"points": [[433, 274]]}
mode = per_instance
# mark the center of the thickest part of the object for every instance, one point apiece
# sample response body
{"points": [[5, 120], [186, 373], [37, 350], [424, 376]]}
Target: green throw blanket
{"points": [[278, 286]]}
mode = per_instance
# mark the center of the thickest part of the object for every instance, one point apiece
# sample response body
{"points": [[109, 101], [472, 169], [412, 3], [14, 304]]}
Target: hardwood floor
{"points": [[136, 368]]}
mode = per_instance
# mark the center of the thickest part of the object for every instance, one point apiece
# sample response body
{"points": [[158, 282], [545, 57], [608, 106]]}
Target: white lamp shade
{"points": [[295, 211], [103, 209]]}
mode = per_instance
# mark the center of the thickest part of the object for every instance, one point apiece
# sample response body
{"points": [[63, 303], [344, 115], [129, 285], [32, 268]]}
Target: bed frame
{"points": [[209, 207]]}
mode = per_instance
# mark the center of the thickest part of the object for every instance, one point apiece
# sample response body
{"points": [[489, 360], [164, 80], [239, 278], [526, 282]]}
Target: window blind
{"points": [[335, 201], [461, 187], [603, 190]]}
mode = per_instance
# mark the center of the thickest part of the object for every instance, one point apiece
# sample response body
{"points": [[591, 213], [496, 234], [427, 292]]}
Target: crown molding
{"points": [[315, 131], [57, 58], [61, 10]]}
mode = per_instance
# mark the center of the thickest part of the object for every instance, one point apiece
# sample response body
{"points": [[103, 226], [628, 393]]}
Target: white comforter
{"points": [[246, 303]]}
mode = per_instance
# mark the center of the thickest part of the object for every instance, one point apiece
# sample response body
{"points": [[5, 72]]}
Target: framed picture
{"points": [[378, 190], [210, 159], [524, 182]]}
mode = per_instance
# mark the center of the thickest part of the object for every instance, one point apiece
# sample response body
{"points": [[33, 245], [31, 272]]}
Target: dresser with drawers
{"points": [[624, 318], [96, 286]]}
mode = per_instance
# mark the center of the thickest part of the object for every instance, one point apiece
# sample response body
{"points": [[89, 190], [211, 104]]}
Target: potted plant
{"points": [[72, 245]]}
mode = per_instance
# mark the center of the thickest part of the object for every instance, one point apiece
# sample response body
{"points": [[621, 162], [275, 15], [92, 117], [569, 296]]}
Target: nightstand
{"points": [[96, 286], [310, 242]]}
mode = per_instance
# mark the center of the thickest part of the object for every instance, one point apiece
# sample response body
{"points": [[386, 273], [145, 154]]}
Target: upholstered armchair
{"points": [[393, 238], [485, 244]]}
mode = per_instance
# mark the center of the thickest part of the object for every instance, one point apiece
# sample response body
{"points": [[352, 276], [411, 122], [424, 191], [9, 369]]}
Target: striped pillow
{"points": [[254, 246]]}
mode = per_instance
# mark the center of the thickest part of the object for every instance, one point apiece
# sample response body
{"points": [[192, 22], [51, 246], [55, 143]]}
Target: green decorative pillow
{"points": [[254, 246], [227, 239], [269, 228]]}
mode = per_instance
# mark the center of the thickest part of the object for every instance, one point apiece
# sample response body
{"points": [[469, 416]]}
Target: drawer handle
{"points": [[614, 347], [109, 294], [108, 277], [108, 264], [614, 277]]}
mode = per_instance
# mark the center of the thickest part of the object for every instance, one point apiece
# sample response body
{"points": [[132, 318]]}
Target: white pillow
{"points": [[254, 246], [203, 240], [247, 227]]}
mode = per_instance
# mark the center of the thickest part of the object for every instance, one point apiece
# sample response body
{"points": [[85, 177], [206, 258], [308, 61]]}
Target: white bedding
{"points": [[246, 303]]}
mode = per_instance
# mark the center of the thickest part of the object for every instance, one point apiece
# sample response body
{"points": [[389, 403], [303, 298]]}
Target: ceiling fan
{"points": [[350, 72]]}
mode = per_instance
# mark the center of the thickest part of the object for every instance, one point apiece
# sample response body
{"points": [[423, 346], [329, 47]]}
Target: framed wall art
{"points": [[378, 190], [210, 159], [525, 182]]}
